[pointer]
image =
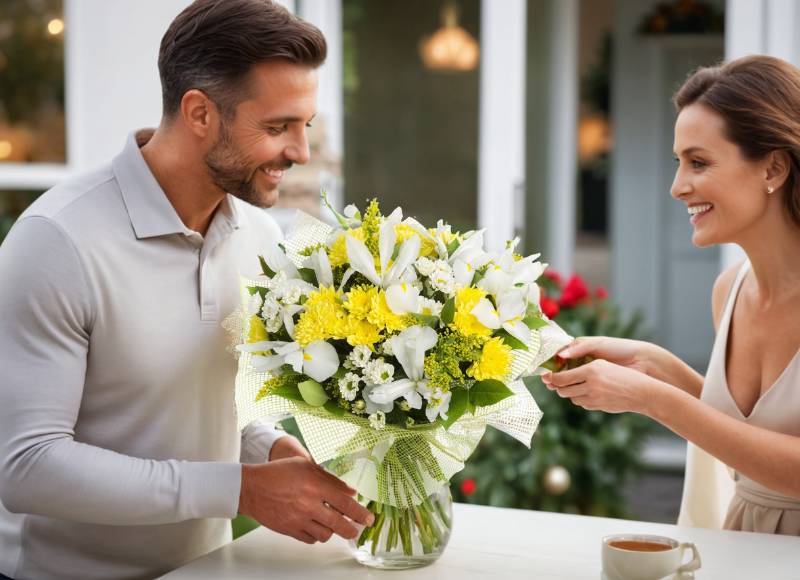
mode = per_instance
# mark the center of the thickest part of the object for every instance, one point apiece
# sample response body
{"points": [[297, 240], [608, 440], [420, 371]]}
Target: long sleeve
{"points": [[47, 314], [257, 440]]}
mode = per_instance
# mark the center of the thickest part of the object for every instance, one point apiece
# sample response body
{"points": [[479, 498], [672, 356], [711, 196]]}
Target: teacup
{"points": [[646, 557]]}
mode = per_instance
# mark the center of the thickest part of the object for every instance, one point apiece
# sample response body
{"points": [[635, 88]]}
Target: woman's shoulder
{"points": [[722, 287]]}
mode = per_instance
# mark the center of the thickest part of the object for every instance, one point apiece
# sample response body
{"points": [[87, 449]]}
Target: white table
{"points": [[502, 544]]}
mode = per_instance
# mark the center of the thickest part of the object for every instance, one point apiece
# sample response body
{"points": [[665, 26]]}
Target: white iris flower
{"points": [[318, 360], [510, 311], [361, 261], [409, 348]]}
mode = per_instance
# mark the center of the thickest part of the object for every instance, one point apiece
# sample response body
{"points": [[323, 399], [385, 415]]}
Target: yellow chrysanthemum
{"points": [[382, 316], [464, 321], [338, 251], [361, 332], [494, 363], [256, 331], [324, 318], [359, 300]]}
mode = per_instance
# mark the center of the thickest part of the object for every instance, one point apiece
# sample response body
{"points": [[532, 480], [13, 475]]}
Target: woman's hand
{"points": [[633, 354], [605, 386]]}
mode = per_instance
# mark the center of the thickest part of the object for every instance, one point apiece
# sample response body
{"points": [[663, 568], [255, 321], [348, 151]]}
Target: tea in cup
{"points": [[645, 557]]}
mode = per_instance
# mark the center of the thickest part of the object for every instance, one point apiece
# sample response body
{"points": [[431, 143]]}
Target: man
{"points": [[119, 454]]}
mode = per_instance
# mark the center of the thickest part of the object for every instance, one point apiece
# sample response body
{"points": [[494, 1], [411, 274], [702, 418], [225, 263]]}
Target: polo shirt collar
{"points": [[149, 208]]}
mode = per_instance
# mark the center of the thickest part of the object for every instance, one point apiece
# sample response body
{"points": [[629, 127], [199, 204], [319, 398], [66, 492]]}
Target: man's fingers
{"points": [[333, 520], [305, 537], [319, 532], [352, 509], [335, 482]]}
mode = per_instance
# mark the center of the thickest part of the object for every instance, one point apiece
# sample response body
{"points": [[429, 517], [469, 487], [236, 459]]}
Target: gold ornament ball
{"points": [[556, 480]]}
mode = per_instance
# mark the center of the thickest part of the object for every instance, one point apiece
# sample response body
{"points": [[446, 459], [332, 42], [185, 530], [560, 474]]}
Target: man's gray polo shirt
{"points": [[119, 450]]}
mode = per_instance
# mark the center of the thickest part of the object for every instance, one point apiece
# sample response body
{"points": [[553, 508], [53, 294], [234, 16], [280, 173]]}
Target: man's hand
{"points": [[298, 498], [287, 446]]}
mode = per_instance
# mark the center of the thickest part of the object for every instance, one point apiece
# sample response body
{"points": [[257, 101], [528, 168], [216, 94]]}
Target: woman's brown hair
{"points": [[758, 97]]}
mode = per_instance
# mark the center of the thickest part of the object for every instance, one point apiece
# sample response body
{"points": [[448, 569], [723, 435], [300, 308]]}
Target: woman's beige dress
{"points": [[753, 507]]}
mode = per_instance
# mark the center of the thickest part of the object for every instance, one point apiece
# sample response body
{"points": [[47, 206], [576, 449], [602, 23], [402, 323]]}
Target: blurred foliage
{"points": [[600, 451], [12, 204], [32, 61]]}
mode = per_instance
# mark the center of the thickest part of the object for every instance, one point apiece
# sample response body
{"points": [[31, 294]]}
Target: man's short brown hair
{"points": [[212, 45]]}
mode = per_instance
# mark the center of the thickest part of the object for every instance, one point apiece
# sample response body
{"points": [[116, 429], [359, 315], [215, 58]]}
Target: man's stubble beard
{"points": [[230, 171]]}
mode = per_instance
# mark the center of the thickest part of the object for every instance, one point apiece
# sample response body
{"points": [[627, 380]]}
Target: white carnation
{"points": [[291, 294], [274, 323], [425, 266], [271, 307], [442, 277]]}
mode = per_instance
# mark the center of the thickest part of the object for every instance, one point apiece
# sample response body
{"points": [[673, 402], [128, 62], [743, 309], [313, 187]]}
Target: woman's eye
{"points": [[697, 164], [276, 131]]}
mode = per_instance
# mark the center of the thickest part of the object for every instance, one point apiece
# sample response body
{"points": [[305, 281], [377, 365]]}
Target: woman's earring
{"points": [[770, 189]]}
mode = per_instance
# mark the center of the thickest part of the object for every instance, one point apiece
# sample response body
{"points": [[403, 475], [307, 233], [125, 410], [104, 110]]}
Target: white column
{"points": [[501, 170], [562, 137], [327, 16]]}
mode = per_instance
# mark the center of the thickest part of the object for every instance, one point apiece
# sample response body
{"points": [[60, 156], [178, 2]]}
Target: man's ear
{"points": [[778, 167], [199, 113]]}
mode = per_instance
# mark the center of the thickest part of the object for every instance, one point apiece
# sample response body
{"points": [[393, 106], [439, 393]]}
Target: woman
{"points": [[737, 142]]}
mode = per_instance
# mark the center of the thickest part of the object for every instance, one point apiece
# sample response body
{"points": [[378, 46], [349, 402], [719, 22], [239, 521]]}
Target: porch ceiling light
{"points": [[451, 47]]}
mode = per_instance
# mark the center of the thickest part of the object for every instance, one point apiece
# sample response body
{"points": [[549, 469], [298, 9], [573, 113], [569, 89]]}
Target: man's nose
{"points": [[298, 151]]}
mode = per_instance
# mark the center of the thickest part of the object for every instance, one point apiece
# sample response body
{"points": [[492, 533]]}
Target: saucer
{"points": [[678, 576]]}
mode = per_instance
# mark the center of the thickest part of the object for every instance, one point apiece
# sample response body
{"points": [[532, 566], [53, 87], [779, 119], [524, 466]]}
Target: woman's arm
{"points": [[770, 458], [651, 359], [638, 355]]}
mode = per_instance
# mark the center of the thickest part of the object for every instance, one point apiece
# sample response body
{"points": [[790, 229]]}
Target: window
{"points": [[411, 132], [32, 82]]}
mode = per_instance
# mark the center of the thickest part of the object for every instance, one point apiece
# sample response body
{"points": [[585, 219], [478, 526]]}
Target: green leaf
{"points": [[459, 404], [334, 409], [313, 393], [534, 322], [488, 392], [452, 246], [308, 275], [264, 268], [511, 341], [290, 392], [426, 319], [449, 311]]}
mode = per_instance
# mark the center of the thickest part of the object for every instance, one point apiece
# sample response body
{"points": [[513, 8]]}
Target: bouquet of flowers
{"points": [[394, 346]]}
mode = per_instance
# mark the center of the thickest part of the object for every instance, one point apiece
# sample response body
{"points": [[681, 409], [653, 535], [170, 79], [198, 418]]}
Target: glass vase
{"points": [[405, 538]]}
